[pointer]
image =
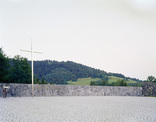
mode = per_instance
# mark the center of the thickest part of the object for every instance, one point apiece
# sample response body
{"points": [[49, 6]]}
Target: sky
{"points": [[116, 36]]}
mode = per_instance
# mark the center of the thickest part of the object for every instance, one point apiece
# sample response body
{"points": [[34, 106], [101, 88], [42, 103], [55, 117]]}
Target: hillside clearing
{"points": [[86, 81], [83, 81]]}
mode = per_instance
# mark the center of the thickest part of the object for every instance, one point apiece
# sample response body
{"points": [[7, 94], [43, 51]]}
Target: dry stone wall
{"points": [[149, 89], [25, 90]]}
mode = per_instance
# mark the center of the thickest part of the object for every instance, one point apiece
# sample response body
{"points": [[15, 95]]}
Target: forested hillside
{"points": [[18, 70], [61, 72]]}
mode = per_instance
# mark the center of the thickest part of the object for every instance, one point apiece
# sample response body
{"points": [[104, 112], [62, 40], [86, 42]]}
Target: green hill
{"points": [[73, 73], [18, 70]]}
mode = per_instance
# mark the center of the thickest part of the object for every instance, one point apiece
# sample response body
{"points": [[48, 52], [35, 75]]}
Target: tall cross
{"points": [[32, 69]]}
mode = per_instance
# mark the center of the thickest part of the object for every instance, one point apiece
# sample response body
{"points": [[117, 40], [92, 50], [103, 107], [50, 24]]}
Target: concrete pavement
{"points": [[78, 109]]}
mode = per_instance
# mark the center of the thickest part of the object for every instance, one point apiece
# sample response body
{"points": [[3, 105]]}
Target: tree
{"points": [[104, 83], [37, 81], [20, 70], [104, 77], [4, 67], [120, 83], [151, 79], [91, 83], [112, 84], [45, 82]]}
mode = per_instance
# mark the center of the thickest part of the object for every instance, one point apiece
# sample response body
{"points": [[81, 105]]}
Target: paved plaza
{"points": [[78, 109]]}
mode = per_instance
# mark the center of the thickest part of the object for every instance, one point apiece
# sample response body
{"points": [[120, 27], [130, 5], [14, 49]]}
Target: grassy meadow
{"points": [[87, 81], [114, 79], [83, 81]]}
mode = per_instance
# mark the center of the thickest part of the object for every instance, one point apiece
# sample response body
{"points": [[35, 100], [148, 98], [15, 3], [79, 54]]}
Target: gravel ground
{"points": [[78, 109]]}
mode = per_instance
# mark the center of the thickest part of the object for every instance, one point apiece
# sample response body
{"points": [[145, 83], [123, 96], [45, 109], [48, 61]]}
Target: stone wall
{"points": [[149, 89], [24, 90]]}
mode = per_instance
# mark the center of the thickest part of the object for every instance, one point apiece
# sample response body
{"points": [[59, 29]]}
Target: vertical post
{"points": [[32, 74], [32, 70]]}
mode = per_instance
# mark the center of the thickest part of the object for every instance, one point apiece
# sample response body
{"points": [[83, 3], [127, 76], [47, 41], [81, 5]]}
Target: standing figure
{"points": [[5, 88], [4, 91]]}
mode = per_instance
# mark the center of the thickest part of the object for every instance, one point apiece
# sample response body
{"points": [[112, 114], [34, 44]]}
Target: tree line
{"points": [[18, 70], [106, 83], [151, 79]]}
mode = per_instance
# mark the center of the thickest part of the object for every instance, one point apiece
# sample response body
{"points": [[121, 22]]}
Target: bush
{"points": [[120, 83]]}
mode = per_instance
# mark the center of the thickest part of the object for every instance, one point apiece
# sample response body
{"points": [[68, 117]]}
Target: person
{"points": [[5, 92]]}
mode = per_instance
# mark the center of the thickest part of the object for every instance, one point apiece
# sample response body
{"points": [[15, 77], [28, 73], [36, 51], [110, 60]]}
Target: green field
{"points": [[114, 79], [83, 81], [86, 81]]}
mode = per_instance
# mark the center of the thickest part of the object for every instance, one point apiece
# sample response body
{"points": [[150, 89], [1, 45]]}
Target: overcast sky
{"points": [[117, 36]]}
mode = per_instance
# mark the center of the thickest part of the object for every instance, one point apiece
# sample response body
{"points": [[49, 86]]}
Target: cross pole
{"points": [[32, 69]]}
